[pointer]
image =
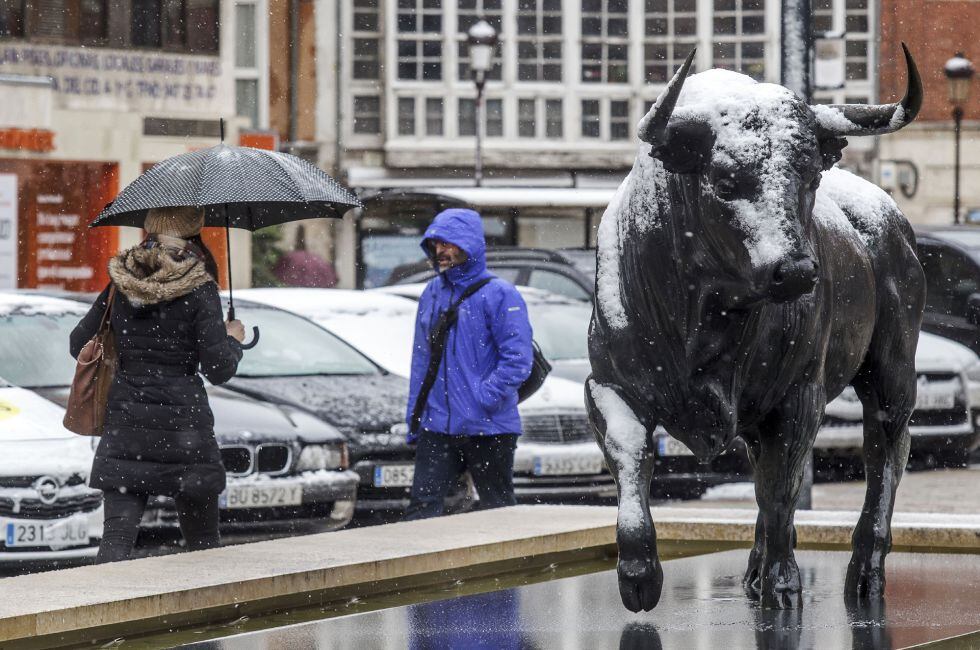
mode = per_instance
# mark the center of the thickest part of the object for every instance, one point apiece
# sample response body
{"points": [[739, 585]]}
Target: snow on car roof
{"points": [[32, 303], [531, 295]]}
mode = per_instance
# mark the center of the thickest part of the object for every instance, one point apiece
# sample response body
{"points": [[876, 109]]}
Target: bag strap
{"points": [[108, 308], [437, 348]]}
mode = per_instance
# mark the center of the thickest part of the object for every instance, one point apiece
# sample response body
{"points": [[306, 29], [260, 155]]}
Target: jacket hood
{"points": [[147, 276], [463, 228]]}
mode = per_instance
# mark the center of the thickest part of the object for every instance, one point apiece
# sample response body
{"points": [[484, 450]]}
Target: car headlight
{"points": [[973, 372], [317, 457]]}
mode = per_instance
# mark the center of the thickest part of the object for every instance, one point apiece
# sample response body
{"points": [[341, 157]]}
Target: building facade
{"points": [[94, 93], [917, 163]]}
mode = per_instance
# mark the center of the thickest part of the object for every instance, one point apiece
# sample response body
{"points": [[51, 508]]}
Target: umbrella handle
{"points": [[255, 339]]}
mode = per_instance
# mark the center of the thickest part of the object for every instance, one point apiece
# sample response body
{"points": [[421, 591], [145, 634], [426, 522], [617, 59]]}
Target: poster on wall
{"points": [[8, 231]]}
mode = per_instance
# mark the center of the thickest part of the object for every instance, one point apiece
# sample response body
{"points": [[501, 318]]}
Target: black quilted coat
{"points": [[159, 432]]}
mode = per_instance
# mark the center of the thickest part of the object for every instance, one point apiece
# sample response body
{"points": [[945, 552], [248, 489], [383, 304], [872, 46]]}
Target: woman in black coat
{"points": [[159, 430]]}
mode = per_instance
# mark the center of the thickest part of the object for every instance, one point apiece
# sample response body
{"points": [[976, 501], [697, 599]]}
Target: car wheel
{"points": [[954, 458]]}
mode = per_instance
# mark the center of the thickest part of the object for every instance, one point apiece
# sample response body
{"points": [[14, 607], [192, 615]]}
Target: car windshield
{"points": [[964, 238], [34, 349], [583, 260], [562, 330], [293, 346]]}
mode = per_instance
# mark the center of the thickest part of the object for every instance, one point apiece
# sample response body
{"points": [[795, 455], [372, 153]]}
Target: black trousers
{"points": [[440, 459], [124, 511]]}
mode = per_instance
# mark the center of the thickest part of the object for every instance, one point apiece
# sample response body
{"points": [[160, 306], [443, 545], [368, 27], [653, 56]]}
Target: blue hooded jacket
{"points": [[488, 351]]}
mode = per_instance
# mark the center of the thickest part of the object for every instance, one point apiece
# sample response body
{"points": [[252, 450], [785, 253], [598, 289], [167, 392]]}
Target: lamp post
{"points": [[482, 39], [959, 72]]}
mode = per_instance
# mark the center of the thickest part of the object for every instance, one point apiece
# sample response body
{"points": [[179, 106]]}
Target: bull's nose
{"points": [[793, 278]]}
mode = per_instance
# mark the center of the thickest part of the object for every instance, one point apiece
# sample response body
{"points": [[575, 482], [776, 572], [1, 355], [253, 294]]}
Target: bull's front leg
{"points": [[626, 443], [785, 443]]}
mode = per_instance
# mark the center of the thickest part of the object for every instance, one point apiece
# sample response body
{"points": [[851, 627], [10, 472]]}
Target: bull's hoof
{"points": [[865, 579], [752, 581], [780, 587], [640, 583]]}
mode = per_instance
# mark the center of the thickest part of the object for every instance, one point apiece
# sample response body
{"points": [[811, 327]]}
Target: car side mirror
{"points": [[973, 309]]}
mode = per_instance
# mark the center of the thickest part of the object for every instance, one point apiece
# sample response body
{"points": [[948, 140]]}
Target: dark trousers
{"points": [[124, 511], [440, 459]]}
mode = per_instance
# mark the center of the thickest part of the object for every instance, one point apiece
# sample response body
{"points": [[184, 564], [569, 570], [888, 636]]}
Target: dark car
{"points": [[950, 257], [286, 468], [540, 268]]}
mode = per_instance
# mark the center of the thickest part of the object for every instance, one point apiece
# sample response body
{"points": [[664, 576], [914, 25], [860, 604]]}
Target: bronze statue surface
{"points": [[743, 282]]}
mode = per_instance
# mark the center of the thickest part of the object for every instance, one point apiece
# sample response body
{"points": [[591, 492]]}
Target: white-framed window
{"points": [[605, 41], [527, 118], [251, 60], [468, 13], [857, 24], [739, 36], [554, 119], [367, 114], [494, 113], [670, 33], [856, 18], [619, 119], [591, 118], [366, 39], [434, 116], [419, 48], [406, 116], [539, 40]]}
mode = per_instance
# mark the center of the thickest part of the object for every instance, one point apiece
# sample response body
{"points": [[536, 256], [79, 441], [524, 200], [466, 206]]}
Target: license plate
{"points": [[932, 401], [57, 533], [265, 496], [394, 475], [567, 465], [668, 446]]}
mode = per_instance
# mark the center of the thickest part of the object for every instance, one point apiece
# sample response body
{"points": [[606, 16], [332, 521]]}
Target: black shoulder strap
{"points": [[437, 348]]}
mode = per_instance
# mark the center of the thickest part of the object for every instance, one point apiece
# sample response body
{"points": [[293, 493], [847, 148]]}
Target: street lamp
{"points": [[959, 72], [482, 39]]}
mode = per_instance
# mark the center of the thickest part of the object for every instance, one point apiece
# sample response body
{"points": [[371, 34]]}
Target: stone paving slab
{"points": [[178, 587]]}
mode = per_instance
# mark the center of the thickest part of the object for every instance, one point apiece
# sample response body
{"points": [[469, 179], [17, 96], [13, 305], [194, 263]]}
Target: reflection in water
{"points": [[778, 629], [640, 636], [481, 621], [869, 629]]}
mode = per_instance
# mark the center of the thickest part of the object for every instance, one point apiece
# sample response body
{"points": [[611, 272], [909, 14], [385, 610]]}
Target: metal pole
{"points": [[957, 120], [478, 167], [231, 298]]}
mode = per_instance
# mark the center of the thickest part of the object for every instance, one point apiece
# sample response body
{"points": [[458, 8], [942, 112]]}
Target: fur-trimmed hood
{"points": [[147, 276]]}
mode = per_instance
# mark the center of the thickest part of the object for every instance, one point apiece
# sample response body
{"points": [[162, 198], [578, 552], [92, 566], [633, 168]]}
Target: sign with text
{"points": [[97, 78], [8, 231]]}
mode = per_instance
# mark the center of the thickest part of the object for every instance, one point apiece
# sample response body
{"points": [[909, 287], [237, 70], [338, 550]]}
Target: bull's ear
{"points": [[686, 146], [831, 150]]}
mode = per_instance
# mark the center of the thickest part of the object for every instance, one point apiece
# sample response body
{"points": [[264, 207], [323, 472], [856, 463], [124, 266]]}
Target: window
{"points": [[856, 22], [526, 109], [670, 33], [11, 18], [367, 115], [619, 118], [950, 280], [605, 41], [406, 116], [366, 58], [469, 12], [590, 118], [739, 39], [494, 117], [539, 40], [249, 55], [179, 25], [245, 36], [557, 283], [68, 22], [553, 118], [247, 99], [823, 16], [433, 116], [420, 40]]}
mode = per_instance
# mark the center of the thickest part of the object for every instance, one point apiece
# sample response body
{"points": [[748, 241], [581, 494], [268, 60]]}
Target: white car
{"points": [[47, 511], [941, 425], [556, 458]]}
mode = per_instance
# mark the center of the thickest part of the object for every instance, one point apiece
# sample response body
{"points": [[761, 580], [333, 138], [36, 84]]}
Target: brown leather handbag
{"points": [[89, 395]]}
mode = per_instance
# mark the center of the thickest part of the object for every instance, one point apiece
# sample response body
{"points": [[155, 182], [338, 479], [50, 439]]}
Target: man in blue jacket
{"points": [[469, 420]]}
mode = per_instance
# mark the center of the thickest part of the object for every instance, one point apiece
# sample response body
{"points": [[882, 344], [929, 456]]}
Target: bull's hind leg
{"points": [[785, 442], [626, 444], [886, 385]]}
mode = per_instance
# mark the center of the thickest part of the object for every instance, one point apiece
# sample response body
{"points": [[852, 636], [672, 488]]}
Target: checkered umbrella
{"points": [[238, 187]]}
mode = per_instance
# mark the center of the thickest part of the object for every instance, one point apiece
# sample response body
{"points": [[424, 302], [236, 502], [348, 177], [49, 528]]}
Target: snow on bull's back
{"points": [[866, 205]]}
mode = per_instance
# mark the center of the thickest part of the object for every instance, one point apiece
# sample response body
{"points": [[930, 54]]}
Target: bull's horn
{"points": [[654, 123], [838, 120]]}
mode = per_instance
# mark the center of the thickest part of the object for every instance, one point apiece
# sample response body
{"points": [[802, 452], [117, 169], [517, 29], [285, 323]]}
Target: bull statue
{"points": [[743, 282]]}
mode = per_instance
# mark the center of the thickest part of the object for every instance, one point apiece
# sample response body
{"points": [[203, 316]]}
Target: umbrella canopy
{"points": [[238, 187]]}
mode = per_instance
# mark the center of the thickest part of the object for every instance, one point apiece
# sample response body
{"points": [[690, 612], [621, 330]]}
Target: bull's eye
{"points": [[726, 189]]}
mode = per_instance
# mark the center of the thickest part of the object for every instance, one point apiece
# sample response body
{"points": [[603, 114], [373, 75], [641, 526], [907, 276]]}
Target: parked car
{"points": [[539, 268], [48, 514], [941, 426], [950, 257], [286, 468]]}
